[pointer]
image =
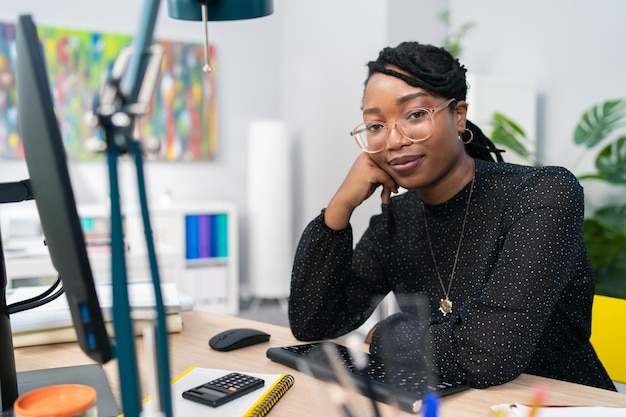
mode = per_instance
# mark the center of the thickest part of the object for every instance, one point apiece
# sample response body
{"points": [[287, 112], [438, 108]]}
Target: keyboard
{"points": [[397, 387]]}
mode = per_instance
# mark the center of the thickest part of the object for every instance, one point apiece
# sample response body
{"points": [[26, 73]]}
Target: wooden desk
{"points": [[308, 397]]}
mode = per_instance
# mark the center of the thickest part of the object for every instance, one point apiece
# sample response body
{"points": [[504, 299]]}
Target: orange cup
{"points": [[66, 400]]}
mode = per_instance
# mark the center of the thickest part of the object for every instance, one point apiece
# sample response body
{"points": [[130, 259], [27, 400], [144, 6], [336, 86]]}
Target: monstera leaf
{"points": [[606, 247], [600, 122], [510, 135], [612, 217], [605, 230], [611, 162]]}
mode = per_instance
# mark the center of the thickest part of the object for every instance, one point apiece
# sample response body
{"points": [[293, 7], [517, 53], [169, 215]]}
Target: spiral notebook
{"points": [[255, 404]]}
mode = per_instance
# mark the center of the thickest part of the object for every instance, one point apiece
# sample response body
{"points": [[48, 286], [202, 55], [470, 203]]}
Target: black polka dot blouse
{"points": [[522, 291]]}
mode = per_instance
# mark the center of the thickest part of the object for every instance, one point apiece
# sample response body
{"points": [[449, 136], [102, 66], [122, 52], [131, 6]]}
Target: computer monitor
{"points": [[47, 166]]}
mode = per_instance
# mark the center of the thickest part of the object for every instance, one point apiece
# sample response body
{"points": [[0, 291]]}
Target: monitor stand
{"points": [[92, 375]]}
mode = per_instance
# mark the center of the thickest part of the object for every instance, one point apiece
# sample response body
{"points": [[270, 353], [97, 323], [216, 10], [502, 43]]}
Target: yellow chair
{"points": [[608, 335]]}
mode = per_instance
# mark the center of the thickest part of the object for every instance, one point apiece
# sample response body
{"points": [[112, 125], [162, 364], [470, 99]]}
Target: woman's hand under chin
{"points": [[360, 183]]}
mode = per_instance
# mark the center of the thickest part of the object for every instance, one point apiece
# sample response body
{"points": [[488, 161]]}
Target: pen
{"points": [[537, 401], [343, 377], [338, 398], [354, 346], [430, 406]]}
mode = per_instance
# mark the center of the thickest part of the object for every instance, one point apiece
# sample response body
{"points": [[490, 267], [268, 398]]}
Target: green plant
{"points": [[509, 135], [600, 131], [453, 39]]}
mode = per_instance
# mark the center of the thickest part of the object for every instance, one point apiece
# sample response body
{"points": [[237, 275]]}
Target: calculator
{"points": [[224, 389]]}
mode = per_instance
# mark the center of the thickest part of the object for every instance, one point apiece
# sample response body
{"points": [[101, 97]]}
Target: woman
{"points": [[497, 248]]}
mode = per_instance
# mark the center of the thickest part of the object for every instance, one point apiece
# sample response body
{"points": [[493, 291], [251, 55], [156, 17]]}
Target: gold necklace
{"points": [[445, 305]]}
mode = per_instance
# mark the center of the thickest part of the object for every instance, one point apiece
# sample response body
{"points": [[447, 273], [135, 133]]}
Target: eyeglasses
{"points": [[417, 126]]}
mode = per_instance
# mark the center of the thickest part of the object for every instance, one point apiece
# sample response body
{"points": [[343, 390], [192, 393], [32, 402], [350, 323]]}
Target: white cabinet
{"points": [[196, 244], [207, 238]]}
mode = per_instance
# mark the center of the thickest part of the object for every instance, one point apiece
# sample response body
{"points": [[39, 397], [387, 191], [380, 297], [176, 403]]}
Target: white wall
{"points": [[325, 46], [306, 65], [572, 51]]}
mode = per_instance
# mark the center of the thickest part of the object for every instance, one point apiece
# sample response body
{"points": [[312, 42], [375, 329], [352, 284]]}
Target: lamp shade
{"points": [[219, 9]]}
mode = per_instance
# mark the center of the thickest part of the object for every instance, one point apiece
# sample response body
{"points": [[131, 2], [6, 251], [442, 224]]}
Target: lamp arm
{"points": [[121, 100], [133, 77]]}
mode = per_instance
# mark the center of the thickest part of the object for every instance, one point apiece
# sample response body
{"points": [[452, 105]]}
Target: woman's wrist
{"points": [[337, 216]]}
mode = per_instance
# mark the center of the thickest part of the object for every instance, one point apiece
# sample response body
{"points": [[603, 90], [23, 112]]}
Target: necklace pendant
{"points": [[445, 306]]}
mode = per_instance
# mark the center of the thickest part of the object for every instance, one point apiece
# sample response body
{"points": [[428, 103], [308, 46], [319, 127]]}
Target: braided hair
{"points": [[436, 70]]}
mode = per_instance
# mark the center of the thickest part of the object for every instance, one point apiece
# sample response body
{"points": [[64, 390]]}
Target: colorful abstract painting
{"points": [[9, 140], [182, 116]]}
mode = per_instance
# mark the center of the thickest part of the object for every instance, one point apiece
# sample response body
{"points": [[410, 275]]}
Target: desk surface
{"points": [[308, 397]]}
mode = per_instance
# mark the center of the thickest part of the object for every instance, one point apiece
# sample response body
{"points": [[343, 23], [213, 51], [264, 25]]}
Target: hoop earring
{"points": [[471, 138]]}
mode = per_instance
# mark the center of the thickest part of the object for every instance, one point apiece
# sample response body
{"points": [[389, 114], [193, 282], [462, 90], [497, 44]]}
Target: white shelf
{"points": [[212, 282]]}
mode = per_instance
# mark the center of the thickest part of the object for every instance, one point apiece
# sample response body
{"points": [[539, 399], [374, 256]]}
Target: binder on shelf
{"points": [[206, 236], [213, 236], [193, 237], [255, 404], [222, 235]]}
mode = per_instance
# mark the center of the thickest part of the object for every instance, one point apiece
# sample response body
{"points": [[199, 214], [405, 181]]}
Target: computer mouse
{"points": [[237, 338]]}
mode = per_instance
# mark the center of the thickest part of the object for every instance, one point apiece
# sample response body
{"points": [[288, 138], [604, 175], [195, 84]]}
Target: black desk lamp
{"points": [[217, 10]]}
